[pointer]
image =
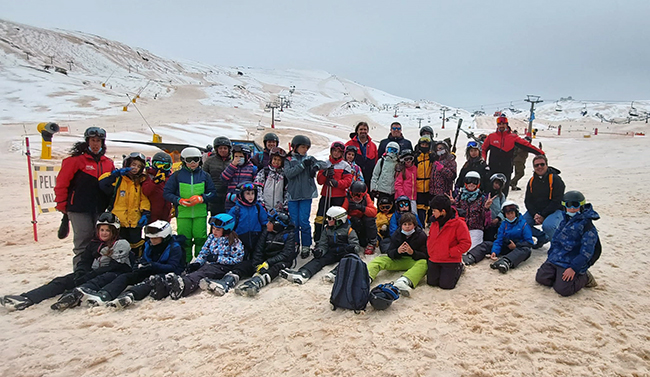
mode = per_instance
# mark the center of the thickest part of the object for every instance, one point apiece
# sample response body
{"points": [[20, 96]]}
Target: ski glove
{"points": [[439, 165], [329, 173], [184, 202], [120, 172], [308, 162], [318, 253], [263, 268], [333, 183], [304, 254], [144, 219], [159, 177], [193, 267], [232, 197], [195, 199]]}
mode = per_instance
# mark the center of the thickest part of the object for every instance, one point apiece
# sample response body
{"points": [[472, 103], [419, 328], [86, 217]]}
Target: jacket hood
{"points": [[588, 213], [554, 170]]}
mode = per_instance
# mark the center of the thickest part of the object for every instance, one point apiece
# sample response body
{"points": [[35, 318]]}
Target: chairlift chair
{"points": [[558, 107], [633, 111]]}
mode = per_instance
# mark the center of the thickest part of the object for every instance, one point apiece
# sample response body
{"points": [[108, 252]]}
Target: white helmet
{"points": [[472, 177], [510, 203], [337, 213], [393, 144], [190, 152], [158, 228]]}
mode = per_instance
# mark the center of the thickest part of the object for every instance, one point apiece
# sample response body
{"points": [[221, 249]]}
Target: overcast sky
{"points": [[460, 53]]}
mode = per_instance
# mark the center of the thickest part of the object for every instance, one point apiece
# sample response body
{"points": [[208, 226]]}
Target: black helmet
{"points": [[221, 141], [162, 161], [280, 221], [573, 199], [383, 295], [95, 132], [242, 149], [426, 130], [406, 153], [271, 137], [385, 201], [351, 148], [300, 140], [358, 187], [246, 186]]}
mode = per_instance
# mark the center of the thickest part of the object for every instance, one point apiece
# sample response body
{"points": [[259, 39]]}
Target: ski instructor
{"points": [[396, 136], [366, 156], [501, 147], [77, 192]]}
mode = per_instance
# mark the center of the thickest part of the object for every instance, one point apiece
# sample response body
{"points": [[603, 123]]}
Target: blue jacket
{"points": [[518, 232], [249, 218], [171, 259], [393, 224], [571, 246]]}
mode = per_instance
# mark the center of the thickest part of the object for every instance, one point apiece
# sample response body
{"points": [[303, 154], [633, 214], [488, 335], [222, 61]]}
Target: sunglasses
{"points": [[192, 159], [404, 204], [472, 180], [541, 164], [572, 204], [161, 165], [396, 128]]}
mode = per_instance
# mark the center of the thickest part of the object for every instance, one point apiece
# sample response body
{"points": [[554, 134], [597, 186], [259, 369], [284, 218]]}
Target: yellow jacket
{"points": [[129, 202], [425, 165], [381, 220]]}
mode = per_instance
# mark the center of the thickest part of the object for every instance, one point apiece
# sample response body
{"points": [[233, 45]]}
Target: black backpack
{"points": [[598, 249], [351, 288]]}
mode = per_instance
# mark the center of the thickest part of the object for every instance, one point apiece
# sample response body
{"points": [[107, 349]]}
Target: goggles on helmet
{"points": [[391, 150], [408, 159], [218, 223], [152, 229], [573, 204], [247, 187], [472, 144], [473, 180], [192, 159], [162, 165], [95, 132], [509, 209]]}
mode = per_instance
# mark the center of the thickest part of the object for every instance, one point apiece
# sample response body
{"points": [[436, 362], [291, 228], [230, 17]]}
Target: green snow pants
{"points": [[415, 269], [196, 232]]}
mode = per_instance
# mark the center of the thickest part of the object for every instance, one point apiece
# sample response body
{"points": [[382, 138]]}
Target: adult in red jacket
{"points": [[157, 174], [448, 240], [366, 151], [77, 192], [362, 214], [501, 145], [336, 177]]}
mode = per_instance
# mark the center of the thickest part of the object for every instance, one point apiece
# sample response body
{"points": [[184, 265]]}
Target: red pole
{"points": [[273, 117], [31, 187], [559, 130], [596, 131]]}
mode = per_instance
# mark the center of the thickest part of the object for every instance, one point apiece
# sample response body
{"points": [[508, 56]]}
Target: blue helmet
{"points": [[223, 220]]}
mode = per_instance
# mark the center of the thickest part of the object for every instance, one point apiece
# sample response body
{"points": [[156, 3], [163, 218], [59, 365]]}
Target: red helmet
{"points": [[502, 119], [338, 145]]}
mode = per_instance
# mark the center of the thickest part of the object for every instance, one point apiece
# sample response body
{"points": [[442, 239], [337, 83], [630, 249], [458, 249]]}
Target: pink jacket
{"points": [[406, 186]]}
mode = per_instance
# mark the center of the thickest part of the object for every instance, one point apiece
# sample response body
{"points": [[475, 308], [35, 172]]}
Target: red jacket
{"points": [[448, 244], [160, 208], [342, 175], [370, 211], [365, 161], [77, 185], [501, 146]]}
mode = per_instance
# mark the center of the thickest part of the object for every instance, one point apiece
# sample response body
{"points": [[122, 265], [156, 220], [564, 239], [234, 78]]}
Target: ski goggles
{"points": [[385, 207], [137, 155], [509, 209], [329, 218], [357, 195], [473, 180], [246, 186], [162, 165], [218, 223], [391, 150], [403, 204], [573, 204], [472, 144], [189, 160], [95, 132], [338, 145], [408, 158], [149, 229]]}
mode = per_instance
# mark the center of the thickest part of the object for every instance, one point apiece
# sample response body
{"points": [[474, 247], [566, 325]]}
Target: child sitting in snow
{"points": [[513, 243], [221, 253], [407, 252], [385, 205]]}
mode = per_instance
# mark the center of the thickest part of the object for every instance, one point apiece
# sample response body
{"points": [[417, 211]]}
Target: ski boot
{"points": [[175, 284], [468, 259], [252, 286], [94, 298], [404, 285], [159, 288], [68, 300], [219, 287], [15, 302], [370, 249], [591, 283], [122, 301], [305, 251], [502, 264], [299, 277], [330, 277], [541, 241]]}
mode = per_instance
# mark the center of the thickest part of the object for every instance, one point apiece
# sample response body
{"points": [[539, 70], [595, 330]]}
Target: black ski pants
{"points": [[317, 264], [57, 286], [320, 214], [515, 256], [247, 269], [210, 271], [366, 229], [443, 275], [119, 283], [550, 275]]}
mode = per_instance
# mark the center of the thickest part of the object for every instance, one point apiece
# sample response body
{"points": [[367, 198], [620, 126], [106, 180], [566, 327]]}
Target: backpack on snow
{"points": [[351, 288]]}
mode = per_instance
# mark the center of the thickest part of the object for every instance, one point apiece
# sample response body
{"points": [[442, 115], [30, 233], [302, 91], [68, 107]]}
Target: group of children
{"points": [[262, 225]]}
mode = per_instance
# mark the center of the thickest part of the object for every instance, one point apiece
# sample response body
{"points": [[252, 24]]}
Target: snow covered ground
{"points": [[490, 325]]}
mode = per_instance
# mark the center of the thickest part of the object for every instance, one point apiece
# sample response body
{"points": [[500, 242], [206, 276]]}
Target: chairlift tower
{"points": [[533, 100], [272, 106], [420, 122], [444, 109]]}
